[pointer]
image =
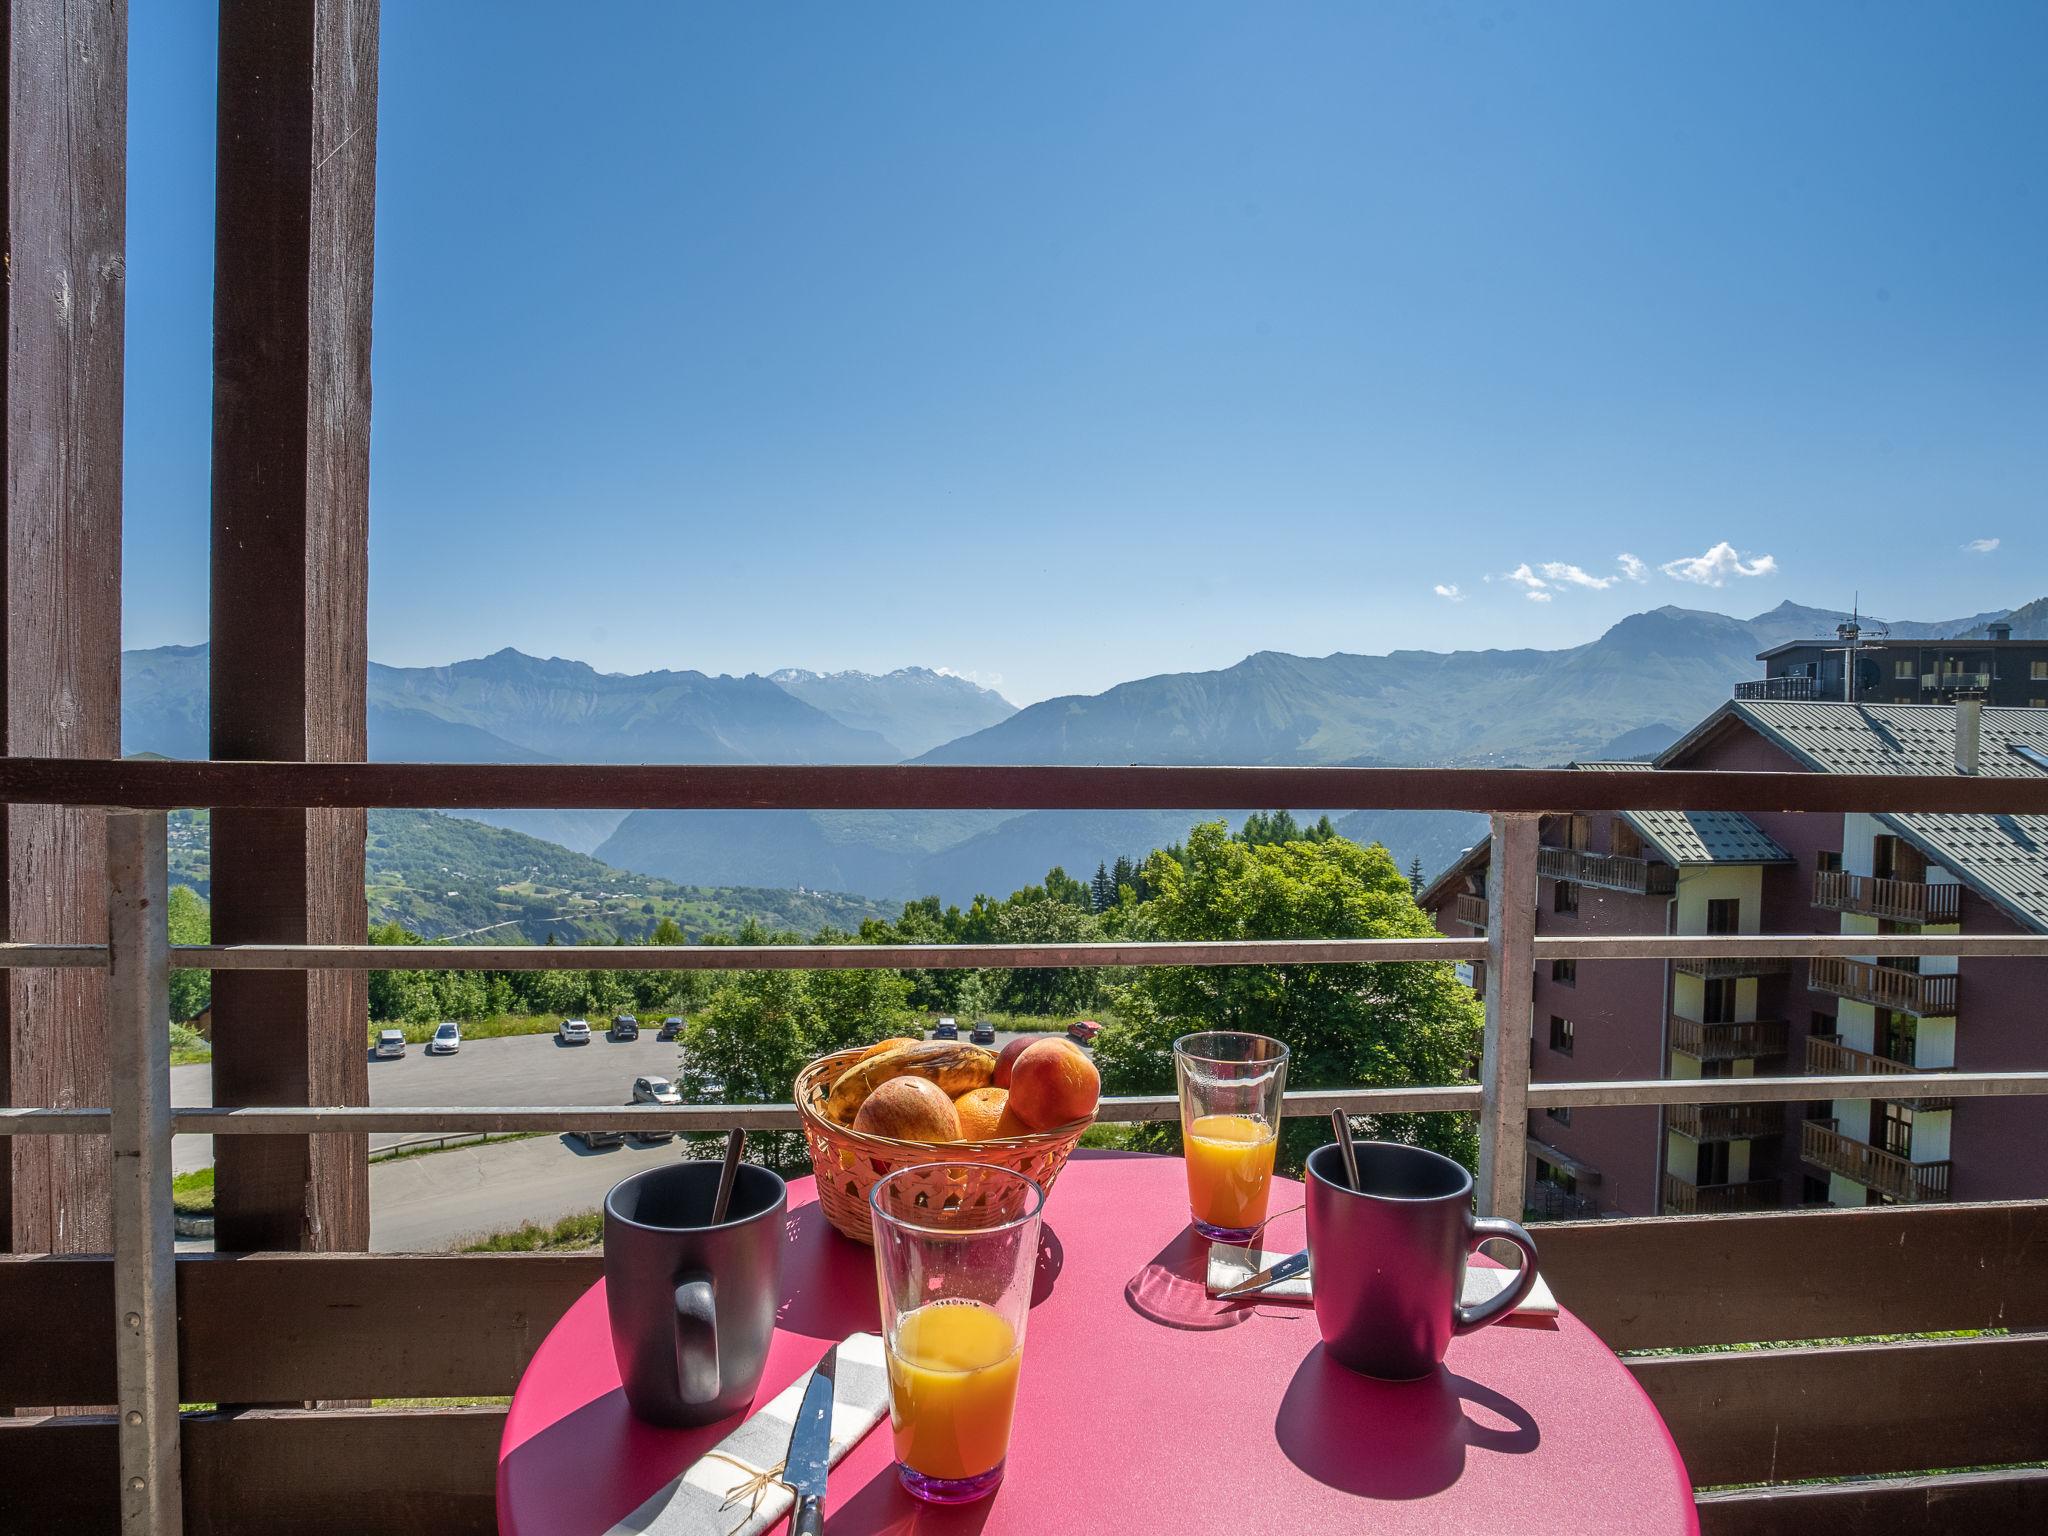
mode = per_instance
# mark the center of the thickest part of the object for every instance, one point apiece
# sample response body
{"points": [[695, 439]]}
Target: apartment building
{"points": [[1716, 872], [1861, 668]]}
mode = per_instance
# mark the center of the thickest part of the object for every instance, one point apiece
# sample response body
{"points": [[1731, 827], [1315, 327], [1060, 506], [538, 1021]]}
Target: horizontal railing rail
{"points": [[1927, 996], [1683, 1198], [1905, 901], [1727, 1122], [1822, 1144], [1826, 1055], [1728, 1041]]}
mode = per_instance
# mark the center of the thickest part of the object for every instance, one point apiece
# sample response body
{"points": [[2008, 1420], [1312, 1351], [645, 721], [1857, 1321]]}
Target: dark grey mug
{"points": [[692, 1305], [1389, 1258]]}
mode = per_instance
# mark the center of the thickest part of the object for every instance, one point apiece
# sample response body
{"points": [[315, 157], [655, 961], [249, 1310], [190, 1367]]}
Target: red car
{"points": [[1084, 1030]]}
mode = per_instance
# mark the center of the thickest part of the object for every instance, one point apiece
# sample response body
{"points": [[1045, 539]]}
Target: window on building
{"points": [[1818, 1023], [1828, 860], [1561, 1035], [1897, 1035], [1717, 1001], [1813, 1191], [1724, 915], [1557, 1178], [1565, 972], [1713, 1163], [1576, 830], [1904, 668], [1895, 1131], [1560, 1113], [1565, 898], [2038, 671], [1627, 842], [2037, 703]]}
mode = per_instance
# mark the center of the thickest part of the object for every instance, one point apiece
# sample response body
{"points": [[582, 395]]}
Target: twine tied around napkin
{"points": [[1230, 1266], [746, 1466]]}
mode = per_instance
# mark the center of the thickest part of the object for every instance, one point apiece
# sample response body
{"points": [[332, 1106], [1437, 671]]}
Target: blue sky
{"points": [[1069, 343]]}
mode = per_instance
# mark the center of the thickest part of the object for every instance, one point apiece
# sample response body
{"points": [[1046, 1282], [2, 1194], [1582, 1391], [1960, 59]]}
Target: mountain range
{"points": [[1628, 693]]}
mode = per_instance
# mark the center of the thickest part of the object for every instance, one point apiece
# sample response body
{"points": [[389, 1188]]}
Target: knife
{"points": [[809, 1460], [1286, 1269]]}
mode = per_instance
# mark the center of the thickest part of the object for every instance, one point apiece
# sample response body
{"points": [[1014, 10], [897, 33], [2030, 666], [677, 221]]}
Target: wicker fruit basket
{"points": [[848, 1162]]}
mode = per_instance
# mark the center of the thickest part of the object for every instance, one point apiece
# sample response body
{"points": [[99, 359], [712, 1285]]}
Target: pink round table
{"points": [[1145, 1406]]}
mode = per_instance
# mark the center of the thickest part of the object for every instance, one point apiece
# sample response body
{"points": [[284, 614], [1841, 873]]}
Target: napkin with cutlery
{"points": [[735, 1488], [1229, 1266]]}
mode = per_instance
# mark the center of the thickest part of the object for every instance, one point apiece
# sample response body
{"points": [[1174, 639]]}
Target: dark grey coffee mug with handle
{"points": [[692, 1304], [1389, 1258]]}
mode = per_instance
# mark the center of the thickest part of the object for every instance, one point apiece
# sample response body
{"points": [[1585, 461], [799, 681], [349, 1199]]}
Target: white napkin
{"points": [[734, 1489], [1230, 1266]]}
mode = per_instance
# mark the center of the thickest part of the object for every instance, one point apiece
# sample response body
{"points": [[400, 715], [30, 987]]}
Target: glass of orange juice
{"points": [[956, 1251], [1230, 1088]]}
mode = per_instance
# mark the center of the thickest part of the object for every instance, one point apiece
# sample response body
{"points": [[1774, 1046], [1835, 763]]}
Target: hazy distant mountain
{"points": [[2029, 622], [873, 852], [1789, 621], [913, 708]]}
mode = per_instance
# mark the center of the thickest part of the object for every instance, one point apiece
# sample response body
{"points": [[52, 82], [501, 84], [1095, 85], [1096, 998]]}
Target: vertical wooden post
{"points": [[139, 1133], [295, 188], [1510, 1010], [66, 84]]}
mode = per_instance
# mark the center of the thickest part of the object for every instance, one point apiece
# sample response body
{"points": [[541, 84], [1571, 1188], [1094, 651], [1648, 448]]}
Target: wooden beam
{"points": [[1783, 1415], [1504, 1062], [66, 84], [1681, 1281], [1896, 1506], [901, 786], [295, 190]]}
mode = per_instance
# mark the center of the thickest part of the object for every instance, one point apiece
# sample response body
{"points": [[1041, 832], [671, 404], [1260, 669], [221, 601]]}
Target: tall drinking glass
{"points": [[1230, 1088], [956, 1245]]}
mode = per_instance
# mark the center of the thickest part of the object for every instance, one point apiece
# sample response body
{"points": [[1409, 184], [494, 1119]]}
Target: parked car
{"points": [[447, 1039], [946, 1029], [390, 1044], [655, 1090], [984, 1032], [671, 1029], [595, 1139], [625, 1027], [1084, 1030], [572, 1032]]}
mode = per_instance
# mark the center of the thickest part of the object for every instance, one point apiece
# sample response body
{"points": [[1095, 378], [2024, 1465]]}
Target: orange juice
{"points": [[1230, 1170], [952, 1388]]}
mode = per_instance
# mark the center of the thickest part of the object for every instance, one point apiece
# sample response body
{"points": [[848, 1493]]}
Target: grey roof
{"points": [[2002, 858], [1706, 837]]}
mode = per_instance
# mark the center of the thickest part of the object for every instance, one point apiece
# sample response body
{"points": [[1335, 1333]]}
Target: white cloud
{"points": [[1573, 576], [1537, 597], [1450, 590], [1632, 568], [1713, 568], [1523, 576], [1980, 546]]}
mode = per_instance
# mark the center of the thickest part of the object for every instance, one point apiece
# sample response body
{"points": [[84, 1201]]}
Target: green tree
{"points": [[1380, 1025], [1102, 889], [191, 922], [1415, 881]]}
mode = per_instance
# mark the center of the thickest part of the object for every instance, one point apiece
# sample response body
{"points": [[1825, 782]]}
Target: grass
{"points": [[574, 1233], [192, 1193]]}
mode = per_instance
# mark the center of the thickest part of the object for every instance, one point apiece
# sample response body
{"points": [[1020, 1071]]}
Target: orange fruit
{"points": [[909, 1109], [981, 1113], [886, 1045], [1008, 1059], [1053, 1083]]}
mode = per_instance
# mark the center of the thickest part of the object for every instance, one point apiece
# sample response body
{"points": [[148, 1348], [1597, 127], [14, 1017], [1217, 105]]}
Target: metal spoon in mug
{"points": [[1344, 1146], [735, 1144]]}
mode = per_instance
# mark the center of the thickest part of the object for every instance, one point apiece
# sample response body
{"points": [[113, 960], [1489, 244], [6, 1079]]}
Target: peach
{"points": [[1053, 1083], [1008, 1059]]}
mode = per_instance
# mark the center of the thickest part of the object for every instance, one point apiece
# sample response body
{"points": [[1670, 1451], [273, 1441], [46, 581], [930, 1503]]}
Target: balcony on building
{"points": [[1826, 1056], [1956, 682], [1900, 901], [1469, 909], [1883, 986], [1727, 1122], [1823, 1145], [1682, 1197], [1728, 1042], [1788, 690], [1723, 967], [1607, 871]]}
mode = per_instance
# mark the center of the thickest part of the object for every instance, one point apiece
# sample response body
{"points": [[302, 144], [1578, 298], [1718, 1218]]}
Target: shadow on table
{"points": [[882, 1508], [1173, 1289], [596, 1466], [1391, 1439]]}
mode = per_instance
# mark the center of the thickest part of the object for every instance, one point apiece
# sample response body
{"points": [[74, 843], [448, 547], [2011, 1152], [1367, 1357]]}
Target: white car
{"points": [[654, 1090], [573, 1032], [390, 1044], [447, 1039]]}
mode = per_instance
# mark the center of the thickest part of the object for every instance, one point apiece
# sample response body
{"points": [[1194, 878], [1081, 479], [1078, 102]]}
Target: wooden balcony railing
{"points": [[1828, 1057], [1903, 901], [1728, 1042], [1686, 1199], [1607, 871], [1727, 1122], [1883, 987], [1469, 909], [1824, 1146], [293, 1328], [1731, 966], [1798, 690]]}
